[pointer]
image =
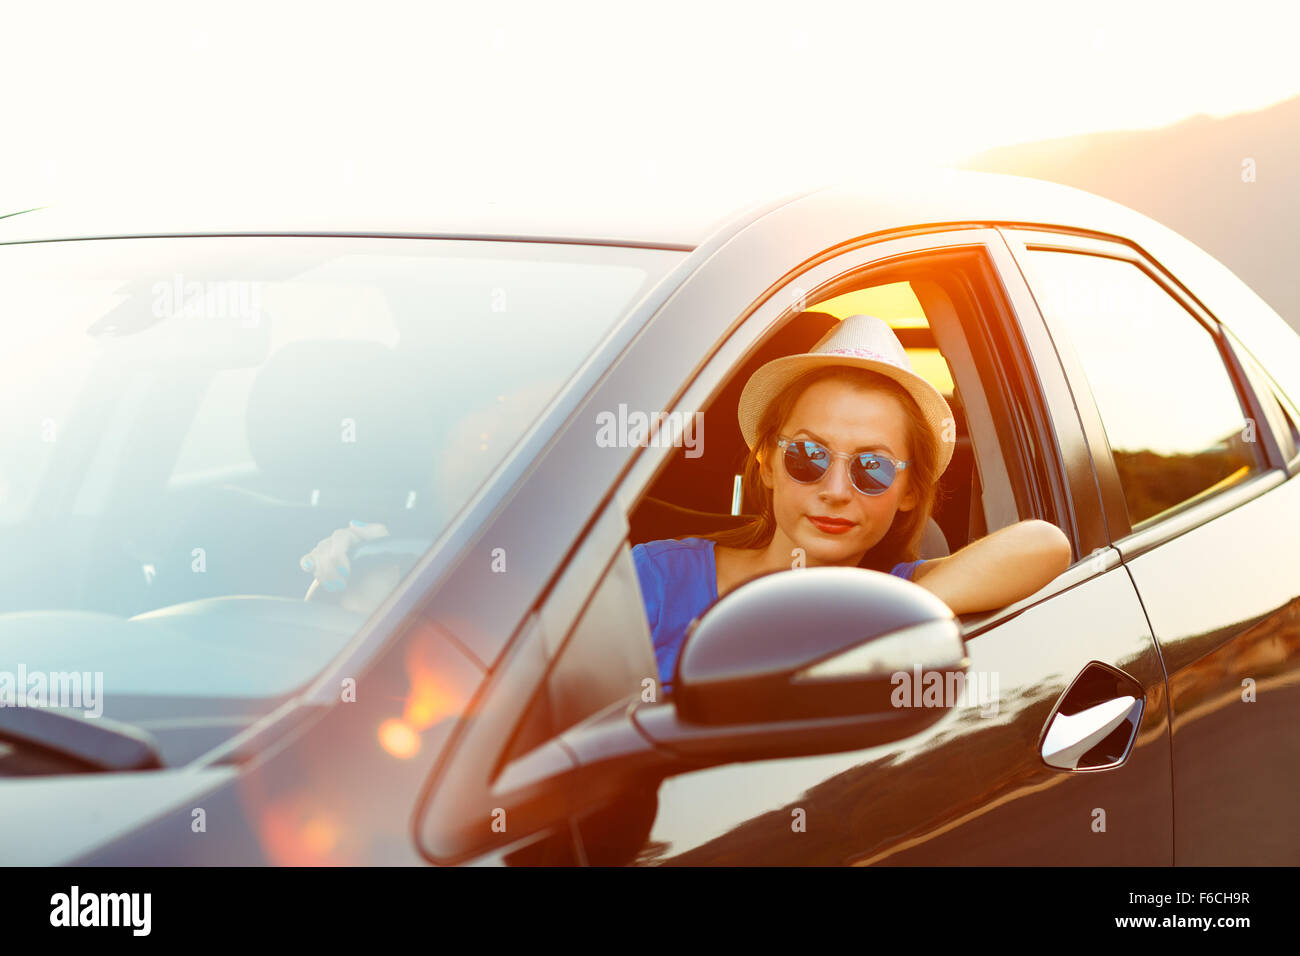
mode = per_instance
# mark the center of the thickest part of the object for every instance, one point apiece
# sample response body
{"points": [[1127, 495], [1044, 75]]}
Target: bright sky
{"points": [[681, 97]]}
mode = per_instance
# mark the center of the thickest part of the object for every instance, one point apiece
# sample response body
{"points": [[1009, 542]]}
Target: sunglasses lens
{"points": [[806, 461], [871, 474]]}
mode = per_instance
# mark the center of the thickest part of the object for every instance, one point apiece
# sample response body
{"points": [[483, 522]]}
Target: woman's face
{"points": [[844, 419]]}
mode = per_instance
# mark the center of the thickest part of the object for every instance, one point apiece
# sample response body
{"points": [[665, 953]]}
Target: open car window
{"points": [[932, 307]]}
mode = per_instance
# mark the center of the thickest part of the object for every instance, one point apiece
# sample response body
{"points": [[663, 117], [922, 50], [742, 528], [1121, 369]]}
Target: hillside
{"points": [[1189, 177]]}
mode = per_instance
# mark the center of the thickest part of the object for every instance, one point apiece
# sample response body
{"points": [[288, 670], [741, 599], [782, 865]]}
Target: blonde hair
{"points": [[903, 539]]}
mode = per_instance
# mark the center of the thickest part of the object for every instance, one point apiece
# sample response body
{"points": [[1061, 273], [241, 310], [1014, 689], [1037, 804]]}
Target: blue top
{"points": [[684, 568]]}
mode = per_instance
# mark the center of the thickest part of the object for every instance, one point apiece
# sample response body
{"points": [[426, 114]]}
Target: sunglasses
{"points": [[808, 462]]}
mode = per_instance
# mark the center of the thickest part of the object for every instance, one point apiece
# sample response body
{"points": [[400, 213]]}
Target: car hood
{"points": [[49, 821]]}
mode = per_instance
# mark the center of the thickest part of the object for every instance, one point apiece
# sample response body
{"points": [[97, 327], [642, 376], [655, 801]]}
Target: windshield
{"points": [[182, 419]]}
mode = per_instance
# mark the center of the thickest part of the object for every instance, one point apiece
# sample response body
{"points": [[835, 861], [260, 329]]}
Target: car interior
{"points": [[928, 308]]}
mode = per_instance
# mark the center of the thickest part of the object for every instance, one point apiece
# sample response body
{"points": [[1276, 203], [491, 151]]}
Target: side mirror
{"points": [[807, 661], [790, 664], [810, 643]]}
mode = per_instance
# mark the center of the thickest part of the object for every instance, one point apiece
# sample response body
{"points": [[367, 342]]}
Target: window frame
{"points": [[1128, 541], [1018, 328], [823, 279]]}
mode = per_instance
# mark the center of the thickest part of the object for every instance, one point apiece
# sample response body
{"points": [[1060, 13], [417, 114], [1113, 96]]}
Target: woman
{"points": [[852, 398]]}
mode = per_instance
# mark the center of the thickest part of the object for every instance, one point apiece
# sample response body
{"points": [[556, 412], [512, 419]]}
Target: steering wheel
{"points": [[377, 568]]}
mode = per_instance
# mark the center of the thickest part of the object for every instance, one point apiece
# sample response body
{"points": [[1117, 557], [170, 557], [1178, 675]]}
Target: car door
{"points": [[975, 787], [1192, 447]]}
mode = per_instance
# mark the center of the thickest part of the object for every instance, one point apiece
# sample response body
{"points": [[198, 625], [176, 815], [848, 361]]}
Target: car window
{"points": [[928, 304], [1175, 424]]}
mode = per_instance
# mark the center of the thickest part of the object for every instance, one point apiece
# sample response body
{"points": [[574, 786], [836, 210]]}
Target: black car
{"points": [[191, 399]]}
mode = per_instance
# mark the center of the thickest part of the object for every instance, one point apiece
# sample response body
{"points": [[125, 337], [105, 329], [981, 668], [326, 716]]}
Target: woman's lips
{"points": [[831, 526]]}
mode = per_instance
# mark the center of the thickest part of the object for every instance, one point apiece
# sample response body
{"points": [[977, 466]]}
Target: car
{"points": [[193, 396]]}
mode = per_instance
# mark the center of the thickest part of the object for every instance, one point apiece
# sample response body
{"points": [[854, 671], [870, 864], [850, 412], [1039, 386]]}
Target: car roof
{"points": [[590, 219], [887, 201]]}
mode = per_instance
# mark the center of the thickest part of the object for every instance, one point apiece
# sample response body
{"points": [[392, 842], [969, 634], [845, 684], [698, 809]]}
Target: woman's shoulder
{"points": [[669, 545], [675, 577], [673, 557]]}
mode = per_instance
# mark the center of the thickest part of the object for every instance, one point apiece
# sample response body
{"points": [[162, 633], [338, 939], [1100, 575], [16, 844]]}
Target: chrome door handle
{"points": [[1070, 737]]}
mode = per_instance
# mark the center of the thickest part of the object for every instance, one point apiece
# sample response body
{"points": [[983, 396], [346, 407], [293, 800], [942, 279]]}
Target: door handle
{"points": [[1069, 738], [1094, 724]]}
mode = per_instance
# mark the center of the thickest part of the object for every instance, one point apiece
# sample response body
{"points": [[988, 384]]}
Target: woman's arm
{"points": [[998, 569]]}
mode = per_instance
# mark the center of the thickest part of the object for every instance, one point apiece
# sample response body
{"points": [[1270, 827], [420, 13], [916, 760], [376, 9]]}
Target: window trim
{"points": [[1131, 542], [1292, 413], [1188, 519], [1281, 444], [1028, 343]]}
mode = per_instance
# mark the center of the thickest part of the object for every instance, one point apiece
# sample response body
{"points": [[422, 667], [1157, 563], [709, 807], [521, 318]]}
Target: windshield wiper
{"points": [[101, 743]]}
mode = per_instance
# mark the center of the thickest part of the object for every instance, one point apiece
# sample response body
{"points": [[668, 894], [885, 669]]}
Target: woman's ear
{"points": [[909, 499], [765, 468]]}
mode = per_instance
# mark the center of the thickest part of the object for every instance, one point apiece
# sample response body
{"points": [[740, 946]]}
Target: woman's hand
{"points": [[328, 561], [999, 569]]}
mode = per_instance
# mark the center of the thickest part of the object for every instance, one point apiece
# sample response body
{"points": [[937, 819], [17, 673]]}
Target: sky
{"points": [[664, 98]]}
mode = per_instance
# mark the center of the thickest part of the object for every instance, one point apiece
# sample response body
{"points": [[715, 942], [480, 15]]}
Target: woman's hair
{"points": [[903, 538]]}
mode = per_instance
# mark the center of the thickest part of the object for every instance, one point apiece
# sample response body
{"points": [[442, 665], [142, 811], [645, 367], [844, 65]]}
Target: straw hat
{"points": [[860, 341]]}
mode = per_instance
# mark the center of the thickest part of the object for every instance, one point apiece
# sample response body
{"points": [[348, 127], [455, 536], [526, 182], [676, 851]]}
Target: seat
{"points": [[655, 519], [933, 543]]}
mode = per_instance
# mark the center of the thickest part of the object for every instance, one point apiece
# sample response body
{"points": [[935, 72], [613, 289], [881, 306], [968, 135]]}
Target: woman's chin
{"points": [[830, 552]]}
